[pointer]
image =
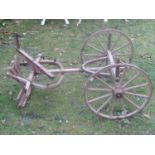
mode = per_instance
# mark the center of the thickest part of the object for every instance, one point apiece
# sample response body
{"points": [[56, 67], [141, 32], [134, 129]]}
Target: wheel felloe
{"points": [[97, 45], [118, 99]]}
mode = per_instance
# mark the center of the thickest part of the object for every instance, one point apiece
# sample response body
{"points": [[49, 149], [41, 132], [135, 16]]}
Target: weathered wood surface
{"points": [[26, 84]]}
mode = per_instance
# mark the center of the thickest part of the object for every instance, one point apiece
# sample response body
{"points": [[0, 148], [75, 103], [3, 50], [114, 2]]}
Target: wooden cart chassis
{"points": [[113, 68]]}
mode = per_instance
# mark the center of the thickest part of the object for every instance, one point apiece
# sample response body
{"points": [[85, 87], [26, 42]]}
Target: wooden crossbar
{"points": [[26, 84]]}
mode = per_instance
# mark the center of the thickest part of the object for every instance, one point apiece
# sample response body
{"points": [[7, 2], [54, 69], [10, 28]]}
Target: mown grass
{"points": [[62, 110]]}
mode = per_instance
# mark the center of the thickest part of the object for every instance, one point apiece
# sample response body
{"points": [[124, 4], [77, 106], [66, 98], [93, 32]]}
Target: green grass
{"points": [[62, 110]]}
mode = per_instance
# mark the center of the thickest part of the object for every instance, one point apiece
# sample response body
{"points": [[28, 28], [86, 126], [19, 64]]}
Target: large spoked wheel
{"points": [[123, 94], [41, 80], [97, 45]]}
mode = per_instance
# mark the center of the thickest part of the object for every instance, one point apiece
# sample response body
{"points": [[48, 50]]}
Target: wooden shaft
{"points": [[72, 70], [17, 78], [111, 59], [111, 62], [35, 64], [25, 92]]}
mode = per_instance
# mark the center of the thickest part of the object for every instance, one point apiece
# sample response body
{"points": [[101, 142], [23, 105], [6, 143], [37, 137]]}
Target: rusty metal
{"points": [[115, 89]]}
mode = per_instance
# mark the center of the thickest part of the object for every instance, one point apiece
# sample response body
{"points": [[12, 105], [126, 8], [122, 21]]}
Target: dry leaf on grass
{"points": [[147, 116]]}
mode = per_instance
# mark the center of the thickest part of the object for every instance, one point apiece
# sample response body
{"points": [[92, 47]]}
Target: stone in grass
{"points": [[61, 119]]}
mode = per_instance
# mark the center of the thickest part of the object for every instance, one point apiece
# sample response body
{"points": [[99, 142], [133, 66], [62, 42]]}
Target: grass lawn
{"points": [[62, 110]]}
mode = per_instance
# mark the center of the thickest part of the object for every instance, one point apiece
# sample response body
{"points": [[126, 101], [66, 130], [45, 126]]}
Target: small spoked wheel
{"points": [[123, 94], [41, 80], [97, 45]]}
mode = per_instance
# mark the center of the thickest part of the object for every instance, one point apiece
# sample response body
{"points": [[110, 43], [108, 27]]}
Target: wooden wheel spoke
{"points": [[99, 89], [96, 49], [114, 45], [104, 104], [92, 56], [136, 86], [101, 63], [112, 72], [123, 75], [131, 102], [100, 43], [123, 82], [133, 78], [104, 82], [117, 72], [109, 41], [122, 61], [112, 110], [136, 94], [123, 107], [117, 49], [99, 98], [119, 54]]}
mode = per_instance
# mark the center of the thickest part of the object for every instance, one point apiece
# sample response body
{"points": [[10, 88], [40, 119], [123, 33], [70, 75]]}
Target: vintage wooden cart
{"points": [[115, 88]]}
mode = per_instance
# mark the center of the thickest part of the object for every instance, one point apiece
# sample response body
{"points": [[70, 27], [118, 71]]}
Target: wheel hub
{"points": [[118, 92]]}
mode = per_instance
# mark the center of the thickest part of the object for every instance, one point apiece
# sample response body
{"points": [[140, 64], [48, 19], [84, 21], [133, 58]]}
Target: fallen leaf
{"points": [[33, 132], [57, 49], [10, 93], [139, 34], [60, 121], [147, 116], [3, 121], [21, 123], [24, 34], [18, 21]]}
